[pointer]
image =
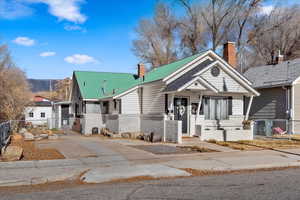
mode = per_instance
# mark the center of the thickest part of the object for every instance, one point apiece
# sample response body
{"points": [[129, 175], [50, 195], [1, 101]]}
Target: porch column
{"points": [[248, 109], [171, 110], [199, 106]]}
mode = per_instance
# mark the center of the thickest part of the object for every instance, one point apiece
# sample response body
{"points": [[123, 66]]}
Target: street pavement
{"points": [[265, 185]]}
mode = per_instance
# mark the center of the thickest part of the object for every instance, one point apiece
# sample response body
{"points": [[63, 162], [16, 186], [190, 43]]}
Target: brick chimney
{"points": [[229, 53], [141, 70], [279, 58]]}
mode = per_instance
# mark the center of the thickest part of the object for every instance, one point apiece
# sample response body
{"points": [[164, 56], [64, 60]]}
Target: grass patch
{"points": [[260, 144]]}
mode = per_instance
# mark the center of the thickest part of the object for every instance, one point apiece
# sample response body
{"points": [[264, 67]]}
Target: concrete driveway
{"points": [[74, 146]]}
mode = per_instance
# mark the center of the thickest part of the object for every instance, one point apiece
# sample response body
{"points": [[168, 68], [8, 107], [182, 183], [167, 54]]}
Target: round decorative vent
{"points": [[215, 71]]}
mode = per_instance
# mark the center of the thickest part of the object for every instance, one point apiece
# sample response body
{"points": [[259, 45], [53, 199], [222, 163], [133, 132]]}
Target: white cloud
{"points": [[80, 59], [47, 54], [12, 9], [24, 41], [266, 10], [64, 9], [69, 27]]}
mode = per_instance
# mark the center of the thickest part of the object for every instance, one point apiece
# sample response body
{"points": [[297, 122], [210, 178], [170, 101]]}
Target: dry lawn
{"points": [[38, 131], [260, 144], [293, 137], [31, 152]]}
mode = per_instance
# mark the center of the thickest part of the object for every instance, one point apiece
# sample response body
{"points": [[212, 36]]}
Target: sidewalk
{"points": [[114, 166]]}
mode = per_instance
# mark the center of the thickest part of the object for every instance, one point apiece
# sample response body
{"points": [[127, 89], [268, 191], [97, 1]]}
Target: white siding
{"points": [[238, 105], [223, 82], [153, 99], [37, 110], [130, 103]]}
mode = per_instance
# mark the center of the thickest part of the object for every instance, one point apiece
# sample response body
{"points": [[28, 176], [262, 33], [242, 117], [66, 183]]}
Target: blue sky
{"points": [[44, 42], [51, 38]]}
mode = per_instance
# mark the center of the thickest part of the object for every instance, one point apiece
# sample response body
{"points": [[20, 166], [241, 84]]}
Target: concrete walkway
{"points": [[112, 160], [102, 169]]}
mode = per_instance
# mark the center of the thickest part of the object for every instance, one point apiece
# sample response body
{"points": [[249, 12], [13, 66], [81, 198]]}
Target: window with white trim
{"points": [[216, 108]]}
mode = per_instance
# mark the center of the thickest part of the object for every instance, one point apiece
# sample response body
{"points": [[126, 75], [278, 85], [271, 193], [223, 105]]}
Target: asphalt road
{"points": [[283, 184]]}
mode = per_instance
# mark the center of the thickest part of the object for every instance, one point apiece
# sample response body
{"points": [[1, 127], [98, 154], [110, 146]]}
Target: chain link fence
{"points": [[267, 127], [5, 131]]}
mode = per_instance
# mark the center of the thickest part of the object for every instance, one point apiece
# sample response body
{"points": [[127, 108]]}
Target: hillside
{"points": [[40, 85]]}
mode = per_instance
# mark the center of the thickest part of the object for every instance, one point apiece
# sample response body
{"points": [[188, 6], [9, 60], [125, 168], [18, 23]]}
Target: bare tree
{"points": [[156, 38], [192, 29], [278, 32], [219, 16], [14, 90]]}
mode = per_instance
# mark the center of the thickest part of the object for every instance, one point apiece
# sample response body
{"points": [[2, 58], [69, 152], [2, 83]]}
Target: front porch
{"points": [[210, 115]]}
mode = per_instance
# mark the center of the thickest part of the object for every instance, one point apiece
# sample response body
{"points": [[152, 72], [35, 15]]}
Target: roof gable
{"points": [[163, 71], [223, 82]]}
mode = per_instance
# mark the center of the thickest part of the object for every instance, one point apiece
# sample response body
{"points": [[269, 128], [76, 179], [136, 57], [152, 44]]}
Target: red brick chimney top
{"points": [[229, 54], [279, 58], [141, 70]]}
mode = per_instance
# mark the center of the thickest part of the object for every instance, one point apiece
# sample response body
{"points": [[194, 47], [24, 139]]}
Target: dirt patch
{"points": [[38, 131], [195, 172], [259, 144], [166, 149], [31, 152]]}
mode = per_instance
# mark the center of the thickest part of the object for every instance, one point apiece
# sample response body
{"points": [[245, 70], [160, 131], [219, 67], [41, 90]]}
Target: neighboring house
{"points": [[278, 105], [38, 113], [199, 95]]}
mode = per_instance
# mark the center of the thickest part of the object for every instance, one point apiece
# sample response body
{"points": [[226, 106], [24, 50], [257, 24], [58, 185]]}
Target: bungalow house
{"points": [[278, 105], [201, 95], [39, 111]]}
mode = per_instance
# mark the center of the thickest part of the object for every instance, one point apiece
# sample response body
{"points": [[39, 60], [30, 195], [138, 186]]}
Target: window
{"points": [[31, 114], [92, 107], [43, 115], [216, 108], [105, 107], [215, 71]]}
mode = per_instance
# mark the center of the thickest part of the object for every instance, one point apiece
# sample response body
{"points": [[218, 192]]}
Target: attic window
{"points": [[215, 71]]}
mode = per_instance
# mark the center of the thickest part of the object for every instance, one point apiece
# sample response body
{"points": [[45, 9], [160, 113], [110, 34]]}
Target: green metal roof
{"points": [[165, 70], [98, 85]]}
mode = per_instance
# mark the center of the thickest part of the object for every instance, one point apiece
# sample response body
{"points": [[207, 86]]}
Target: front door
{"points": [[64, 115], [181, 113]]}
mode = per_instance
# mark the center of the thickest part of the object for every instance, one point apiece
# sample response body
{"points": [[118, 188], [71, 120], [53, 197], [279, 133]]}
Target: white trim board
{"points": [[189, 66], [228, 70], [126, 92], [224, 65]]}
